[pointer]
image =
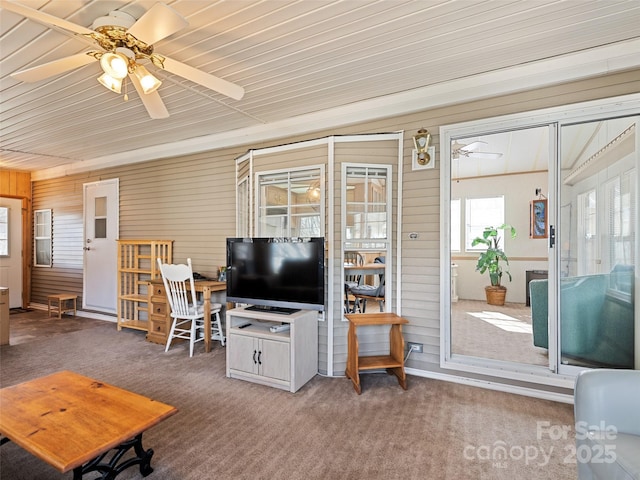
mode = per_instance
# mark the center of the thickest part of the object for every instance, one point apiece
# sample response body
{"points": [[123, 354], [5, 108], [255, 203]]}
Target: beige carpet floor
{"points": [[230, 429], [498, 333]]}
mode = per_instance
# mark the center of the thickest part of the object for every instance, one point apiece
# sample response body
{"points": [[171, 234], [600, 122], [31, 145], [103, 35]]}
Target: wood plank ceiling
{"points": [[292, 57]]}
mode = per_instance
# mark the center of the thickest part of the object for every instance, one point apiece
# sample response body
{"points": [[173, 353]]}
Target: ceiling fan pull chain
{"points": [[126, 96]]}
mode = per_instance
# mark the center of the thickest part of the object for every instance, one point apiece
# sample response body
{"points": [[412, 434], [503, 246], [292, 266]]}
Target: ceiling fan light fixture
{"points": [[113, 84], [148, 82], [116, 65]]}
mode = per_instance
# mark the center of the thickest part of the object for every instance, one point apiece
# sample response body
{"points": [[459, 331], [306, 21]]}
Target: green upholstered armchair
{"points": [[596, 321]]}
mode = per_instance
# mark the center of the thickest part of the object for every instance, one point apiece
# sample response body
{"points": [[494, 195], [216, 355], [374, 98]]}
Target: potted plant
{"points": [[490, 261]]}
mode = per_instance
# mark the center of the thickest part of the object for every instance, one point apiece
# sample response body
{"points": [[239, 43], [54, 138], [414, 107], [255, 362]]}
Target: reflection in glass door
{"points": [[495, 177], [597, 242]]}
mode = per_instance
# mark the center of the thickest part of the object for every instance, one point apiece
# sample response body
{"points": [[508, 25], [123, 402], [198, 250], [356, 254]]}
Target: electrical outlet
{"points": [[417, 347]]}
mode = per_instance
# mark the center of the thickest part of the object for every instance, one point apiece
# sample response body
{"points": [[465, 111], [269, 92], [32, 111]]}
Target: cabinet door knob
{"points": [[254, 356], [259, 360]]}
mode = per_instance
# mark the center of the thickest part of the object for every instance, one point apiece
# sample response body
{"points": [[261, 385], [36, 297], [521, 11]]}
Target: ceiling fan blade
{"points": [[157, 23], [474, 145], [484, 155], [46, 70], [205, 79], [45, 18], [151, 101]]}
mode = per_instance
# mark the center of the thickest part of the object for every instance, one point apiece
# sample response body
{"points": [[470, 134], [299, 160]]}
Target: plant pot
{"points": [[495, 294]]}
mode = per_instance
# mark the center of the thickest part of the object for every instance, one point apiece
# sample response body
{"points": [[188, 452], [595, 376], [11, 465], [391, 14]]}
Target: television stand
{"points": [[277, 310], [284, 358]]}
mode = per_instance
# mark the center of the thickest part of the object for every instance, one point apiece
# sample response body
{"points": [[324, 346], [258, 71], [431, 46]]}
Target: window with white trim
{"points": [[621, 205], [242, 210], [290, 203], [479, 214], [4, 231], [42, 236], [366, 207], [587, 233]]}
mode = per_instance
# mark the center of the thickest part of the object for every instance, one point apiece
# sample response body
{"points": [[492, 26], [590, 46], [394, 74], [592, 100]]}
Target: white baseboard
{"points": [[79, 313], [501, 387]]}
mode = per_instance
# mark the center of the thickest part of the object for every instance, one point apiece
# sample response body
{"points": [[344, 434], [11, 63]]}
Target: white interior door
{"points": [[100, 245], [11, 264]]}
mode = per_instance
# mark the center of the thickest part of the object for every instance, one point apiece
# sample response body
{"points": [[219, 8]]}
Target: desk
{"points": [[160, 319], [72, 422], [367, 269], [394, 362], [207, 287]]}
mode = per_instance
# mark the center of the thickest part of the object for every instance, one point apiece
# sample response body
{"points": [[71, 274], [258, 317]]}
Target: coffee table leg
{"points": [[111, 468]]}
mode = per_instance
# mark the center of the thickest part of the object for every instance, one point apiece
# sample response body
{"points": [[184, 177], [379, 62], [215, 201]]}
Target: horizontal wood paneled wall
{"points": [[191, 199], [15, 184]]}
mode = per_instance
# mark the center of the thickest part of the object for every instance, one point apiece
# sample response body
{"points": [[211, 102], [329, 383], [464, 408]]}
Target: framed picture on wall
{"points": [[538, 219]]}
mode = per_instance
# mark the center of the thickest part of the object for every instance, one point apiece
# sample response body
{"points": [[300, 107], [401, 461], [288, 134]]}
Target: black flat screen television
{"points": [[276, 274]]}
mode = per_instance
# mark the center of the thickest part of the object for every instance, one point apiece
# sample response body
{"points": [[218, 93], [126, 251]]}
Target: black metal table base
{"points": [[110, 468]]}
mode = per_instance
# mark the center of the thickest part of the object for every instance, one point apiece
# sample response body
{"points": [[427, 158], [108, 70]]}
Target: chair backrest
{"points": [[377, 292], [180, 288], [354, 258]]}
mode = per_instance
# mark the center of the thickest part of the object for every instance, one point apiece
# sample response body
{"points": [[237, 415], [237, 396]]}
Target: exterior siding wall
{"points": [[191, 200], [64, 197]]}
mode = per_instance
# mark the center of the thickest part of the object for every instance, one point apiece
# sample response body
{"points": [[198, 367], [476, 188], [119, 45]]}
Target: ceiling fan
{"points": [[126, 45], [469, 150]]}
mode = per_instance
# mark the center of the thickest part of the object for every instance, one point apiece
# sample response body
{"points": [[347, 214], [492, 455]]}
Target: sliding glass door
{"points": [[568, 184], [494, 178], [598, 244]]}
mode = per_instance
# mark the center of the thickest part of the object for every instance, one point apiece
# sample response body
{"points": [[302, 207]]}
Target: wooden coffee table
{"points": [[72, 422]]}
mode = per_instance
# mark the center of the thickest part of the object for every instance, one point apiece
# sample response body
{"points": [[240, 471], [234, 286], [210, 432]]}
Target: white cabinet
{"points": [[285, 360], [259, 356]]}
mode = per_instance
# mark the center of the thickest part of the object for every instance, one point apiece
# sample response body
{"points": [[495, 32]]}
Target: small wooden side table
{"points": [[62, 298], [394, 362]]}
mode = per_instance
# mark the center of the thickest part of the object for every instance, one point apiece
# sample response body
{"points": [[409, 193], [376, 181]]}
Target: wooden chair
{"points": [[362, 293], [188, 315], [354, 258]]}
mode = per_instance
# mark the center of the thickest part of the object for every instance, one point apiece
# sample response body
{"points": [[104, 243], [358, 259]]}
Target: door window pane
{"points": [[100, 218]]}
